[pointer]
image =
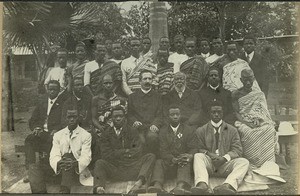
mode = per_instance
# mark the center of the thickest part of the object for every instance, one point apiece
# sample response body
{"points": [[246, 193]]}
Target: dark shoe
{"points": [[137, 189], [25, 179], [156, 189], [201, 189], [180, 191], [224, 189], [98, 190], [64, 190]]}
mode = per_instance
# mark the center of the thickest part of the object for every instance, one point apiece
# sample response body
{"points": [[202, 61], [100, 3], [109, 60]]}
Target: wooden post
{"points": [[158, 23]]}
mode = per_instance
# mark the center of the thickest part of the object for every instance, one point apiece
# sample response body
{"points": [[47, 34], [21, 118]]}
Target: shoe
{"points": [[98, 190], [180, 191], [137, 189], [156, 189], [64, 190], [224, 189], [25, 179], [201, 189]]}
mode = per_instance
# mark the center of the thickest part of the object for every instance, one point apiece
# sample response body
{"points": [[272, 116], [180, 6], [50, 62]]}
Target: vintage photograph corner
{"points": [[150, 97]]}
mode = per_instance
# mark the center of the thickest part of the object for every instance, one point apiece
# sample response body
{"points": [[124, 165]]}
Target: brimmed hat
{"points": [[285, 129], [270, 170]]}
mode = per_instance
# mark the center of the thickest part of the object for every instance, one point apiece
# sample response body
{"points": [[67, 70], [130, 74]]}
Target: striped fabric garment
{"points": [[165, 77], [258, 143], [134, 83]]}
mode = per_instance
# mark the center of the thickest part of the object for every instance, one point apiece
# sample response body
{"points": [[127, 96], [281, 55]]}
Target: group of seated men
{"points": [[133, 119]]}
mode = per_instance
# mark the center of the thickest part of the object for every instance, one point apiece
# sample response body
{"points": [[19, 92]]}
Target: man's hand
{"points": [[37, 131], [175, 160], [137, 124], [154, 129], [218, 162], [212, 155]]}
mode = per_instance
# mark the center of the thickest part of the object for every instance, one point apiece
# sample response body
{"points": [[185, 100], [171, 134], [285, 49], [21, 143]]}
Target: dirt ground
{"points": [[13, 167]]}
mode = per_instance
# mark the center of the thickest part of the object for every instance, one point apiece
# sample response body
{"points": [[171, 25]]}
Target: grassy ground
{"points": [[13, 168]]}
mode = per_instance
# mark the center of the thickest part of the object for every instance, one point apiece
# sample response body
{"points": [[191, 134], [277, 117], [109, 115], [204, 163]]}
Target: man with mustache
{"points": [[145, 111]]}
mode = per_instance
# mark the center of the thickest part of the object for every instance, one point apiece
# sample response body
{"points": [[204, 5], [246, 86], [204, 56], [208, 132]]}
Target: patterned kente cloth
{"points": [[133, 77], [109, 67], [165, 77], [196, 70], [78, 69], [258, 143], [232, 75]]}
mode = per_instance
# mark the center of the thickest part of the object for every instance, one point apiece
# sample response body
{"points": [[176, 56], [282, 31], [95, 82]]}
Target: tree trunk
{"points": [[221, 7], [158, 23]]}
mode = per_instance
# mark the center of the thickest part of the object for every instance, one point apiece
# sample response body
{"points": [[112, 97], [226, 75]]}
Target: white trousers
{"points": [[235, 170]]}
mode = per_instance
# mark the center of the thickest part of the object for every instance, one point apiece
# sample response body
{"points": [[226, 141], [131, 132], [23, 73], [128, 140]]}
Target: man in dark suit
{"points": [[219, 154], [46, 119], [214, 91], [145, 111], [256, 62], [123, 157], [176, 155], [186, 99]]}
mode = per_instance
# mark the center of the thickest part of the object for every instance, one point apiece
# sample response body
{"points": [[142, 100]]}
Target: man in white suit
{"points": [[71, 152], [70, 155]]}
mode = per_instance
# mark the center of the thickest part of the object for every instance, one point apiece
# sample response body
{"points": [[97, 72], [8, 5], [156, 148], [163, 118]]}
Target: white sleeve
{"points": [[55, 154], [86, 154], [87, 75], [48, 77]]}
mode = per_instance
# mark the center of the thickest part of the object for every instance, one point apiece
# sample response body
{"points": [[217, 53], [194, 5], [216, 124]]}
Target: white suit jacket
{"points": [[79, 144]]}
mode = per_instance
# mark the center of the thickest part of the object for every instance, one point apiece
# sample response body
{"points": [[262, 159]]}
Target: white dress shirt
{"points": [[175, 128], [118, 131], [88, 69], [226, 156], [180, 93], [213, 58], [177, 60], [205, 55], [249, 56], [57, 73], [146, 91]]}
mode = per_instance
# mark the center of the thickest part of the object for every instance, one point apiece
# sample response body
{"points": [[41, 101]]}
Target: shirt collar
{"points": [[177, 90], [214, 88], [146, 91], [53, 100], [205, 55], [250, 55], [175, 128], [216, 124], [78, 99]]}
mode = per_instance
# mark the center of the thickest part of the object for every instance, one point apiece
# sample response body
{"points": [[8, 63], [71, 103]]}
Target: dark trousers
{"points": [[152, 141], [33, 143], [42, 173], [135, 169], [161, 168]]}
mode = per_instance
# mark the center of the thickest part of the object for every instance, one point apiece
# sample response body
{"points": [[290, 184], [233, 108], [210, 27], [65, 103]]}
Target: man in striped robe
{"points": [[164, 72], [256, 128], [132, 66], [195, 67]]}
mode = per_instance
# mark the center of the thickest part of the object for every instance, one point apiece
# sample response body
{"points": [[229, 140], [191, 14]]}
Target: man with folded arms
{"points": [[220, 151], [176, 155]]}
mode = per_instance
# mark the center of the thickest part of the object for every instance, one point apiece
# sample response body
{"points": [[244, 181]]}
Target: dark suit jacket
{"points": [[146, 108], [39, 114], [113, 147], [260, 68], [172, 145], [229, 140], [208, 94], [189, 105]]}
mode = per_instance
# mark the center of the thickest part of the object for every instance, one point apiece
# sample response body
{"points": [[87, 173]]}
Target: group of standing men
{"points": [[139, 118]]}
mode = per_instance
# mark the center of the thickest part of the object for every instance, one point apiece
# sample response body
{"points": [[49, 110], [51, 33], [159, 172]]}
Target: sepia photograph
{"points": [[150, 97]]}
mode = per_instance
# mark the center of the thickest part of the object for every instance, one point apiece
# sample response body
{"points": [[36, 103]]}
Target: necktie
{"points": [[217, 136]]}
